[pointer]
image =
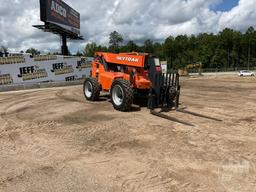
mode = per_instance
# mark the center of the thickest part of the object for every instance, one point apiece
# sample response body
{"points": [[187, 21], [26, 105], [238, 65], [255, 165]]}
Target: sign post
{"points": [[59, 18]]}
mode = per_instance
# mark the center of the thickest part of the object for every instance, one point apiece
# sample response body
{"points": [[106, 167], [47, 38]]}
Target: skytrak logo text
{"points": [[130, 59]]}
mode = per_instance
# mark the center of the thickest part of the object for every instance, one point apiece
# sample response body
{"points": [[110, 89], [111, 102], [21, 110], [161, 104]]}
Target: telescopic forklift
{"points": [[129, 75]]}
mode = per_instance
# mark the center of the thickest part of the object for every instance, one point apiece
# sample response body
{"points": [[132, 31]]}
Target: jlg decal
{"points": [[130, 59]]}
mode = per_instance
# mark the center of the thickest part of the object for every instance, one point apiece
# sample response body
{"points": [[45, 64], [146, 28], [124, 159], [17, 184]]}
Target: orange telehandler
{"points": [[129, 75]]}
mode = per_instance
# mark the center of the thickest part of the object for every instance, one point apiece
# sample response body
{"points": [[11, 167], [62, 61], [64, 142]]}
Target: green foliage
{"points": [[33, 51], [115, 41], [227, 49], [130, 47], [148, 46], [90, 49], [79, 54]]}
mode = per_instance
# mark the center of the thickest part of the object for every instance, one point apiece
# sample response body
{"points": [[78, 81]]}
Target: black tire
{"points": [[94, 86], [125, 93]]}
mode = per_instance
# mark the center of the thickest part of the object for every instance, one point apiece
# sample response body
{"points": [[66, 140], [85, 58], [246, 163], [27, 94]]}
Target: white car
{"points": [[246, 73]]}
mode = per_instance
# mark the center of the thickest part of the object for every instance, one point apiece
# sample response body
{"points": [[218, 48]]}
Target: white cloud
{"points": [[240, 17], [135, 20]]}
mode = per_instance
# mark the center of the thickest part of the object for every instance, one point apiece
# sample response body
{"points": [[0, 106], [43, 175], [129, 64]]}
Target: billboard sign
{"points": [[57, 12]]}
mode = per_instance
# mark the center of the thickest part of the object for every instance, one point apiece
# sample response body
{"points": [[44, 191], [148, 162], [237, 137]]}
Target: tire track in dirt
{"points": [[75, 145], [62, 94]]}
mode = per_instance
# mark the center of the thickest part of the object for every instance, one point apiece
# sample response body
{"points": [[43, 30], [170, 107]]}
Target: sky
{"points": [[135, 20], [225, 5]]}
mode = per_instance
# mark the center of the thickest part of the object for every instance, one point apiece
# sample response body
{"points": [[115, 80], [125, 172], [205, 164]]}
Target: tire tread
{"points": [[96, 89], [126, 85]]}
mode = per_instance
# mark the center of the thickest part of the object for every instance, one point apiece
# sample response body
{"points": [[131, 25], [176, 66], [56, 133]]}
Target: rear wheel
{"points": [[121, 95], [91, 89]]}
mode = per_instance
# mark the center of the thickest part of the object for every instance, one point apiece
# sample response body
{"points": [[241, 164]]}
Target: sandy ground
{"points": [[54, 140]]}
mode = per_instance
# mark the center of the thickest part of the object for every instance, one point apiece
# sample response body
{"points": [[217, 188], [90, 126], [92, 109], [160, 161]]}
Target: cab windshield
{"points": [[152, 61], [157, 62]]}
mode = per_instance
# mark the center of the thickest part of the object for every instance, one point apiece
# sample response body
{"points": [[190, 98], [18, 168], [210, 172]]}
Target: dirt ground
{"points": [[54, 140]]}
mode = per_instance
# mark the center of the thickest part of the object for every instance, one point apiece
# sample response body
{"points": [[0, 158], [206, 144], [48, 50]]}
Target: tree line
{"points": [[228, 49]]}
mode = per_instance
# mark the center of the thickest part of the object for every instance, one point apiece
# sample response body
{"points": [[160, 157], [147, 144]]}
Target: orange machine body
{"points": [[107, 67]]}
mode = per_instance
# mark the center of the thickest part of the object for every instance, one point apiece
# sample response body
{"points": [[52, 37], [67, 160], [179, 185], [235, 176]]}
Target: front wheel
{"points": [[91, 89], [121, 94]]}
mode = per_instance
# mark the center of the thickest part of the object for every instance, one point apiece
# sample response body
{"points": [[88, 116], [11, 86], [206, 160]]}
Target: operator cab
{"points": [[153, 66], [152, 63]]}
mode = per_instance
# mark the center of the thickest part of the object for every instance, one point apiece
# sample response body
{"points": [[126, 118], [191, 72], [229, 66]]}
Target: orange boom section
{"points": [[107, 67], [133, 60]]}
